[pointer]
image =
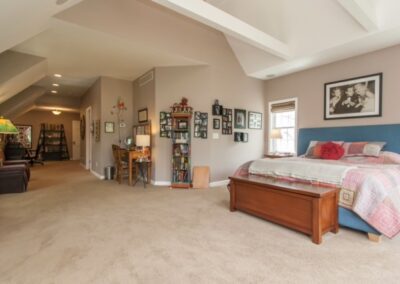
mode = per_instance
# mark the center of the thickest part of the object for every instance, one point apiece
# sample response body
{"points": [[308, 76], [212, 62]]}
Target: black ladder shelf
{"points": [[52, 144]]}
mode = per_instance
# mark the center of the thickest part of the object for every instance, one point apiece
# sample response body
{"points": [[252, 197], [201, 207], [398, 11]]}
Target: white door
{"points": [[88, 137], [76, 140]]}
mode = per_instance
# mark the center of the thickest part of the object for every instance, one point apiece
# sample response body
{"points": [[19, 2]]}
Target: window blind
{"points": [[284, 106]]}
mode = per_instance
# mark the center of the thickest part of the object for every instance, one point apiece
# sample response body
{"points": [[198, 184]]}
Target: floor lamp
{"points": [[6, 127]]}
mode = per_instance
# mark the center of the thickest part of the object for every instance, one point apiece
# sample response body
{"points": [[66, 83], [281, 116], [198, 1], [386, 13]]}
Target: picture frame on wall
{"points": [[353, 98], [25, 135], [216, 123], [165, 124], [200, 124], [109, 127], [97, 130], [240, 118], [143, 115], [255, 120]]}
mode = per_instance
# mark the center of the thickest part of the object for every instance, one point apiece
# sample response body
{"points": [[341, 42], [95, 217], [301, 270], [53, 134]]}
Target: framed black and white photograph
{"points": [[142, 115], [216, 123], [227, 121], [240, 118], [216, 108], [109, 127], [354, 98], [255, 120]]}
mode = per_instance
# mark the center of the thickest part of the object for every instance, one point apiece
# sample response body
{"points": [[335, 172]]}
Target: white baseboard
{"points": [[212, 184], [160, 183], [219, 183], [99, 176]]}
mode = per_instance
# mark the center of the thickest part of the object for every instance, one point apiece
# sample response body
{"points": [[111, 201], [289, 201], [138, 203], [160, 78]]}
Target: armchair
{"points": [[13, 179]]}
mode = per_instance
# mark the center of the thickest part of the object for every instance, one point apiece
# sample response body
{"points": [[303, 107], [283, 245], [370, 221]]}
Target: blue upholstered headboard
{"points": [[389, 133]]}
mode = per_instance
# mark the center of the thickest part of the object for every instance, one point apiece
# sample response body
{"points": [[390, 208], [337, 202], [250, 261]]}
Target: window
{"points": [[282, 126]]}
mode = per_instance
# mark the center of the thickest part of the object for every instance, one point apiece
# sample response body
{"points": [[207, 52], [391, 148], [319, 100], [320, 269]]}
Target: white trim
{"points": [[218, 19], [99, 176], [219, 183], [160, 183], [296, 128], [88, 138]]}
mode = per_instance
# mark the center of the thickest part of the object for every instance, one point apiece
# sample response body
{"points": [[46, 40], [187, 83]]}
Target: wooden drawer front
{"points": [[291, 210]]}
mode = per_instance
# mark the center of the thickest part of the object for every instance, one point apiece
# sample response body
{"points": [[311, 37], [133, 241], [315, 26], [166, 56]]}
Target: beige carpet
{"points": [[73, 228]]}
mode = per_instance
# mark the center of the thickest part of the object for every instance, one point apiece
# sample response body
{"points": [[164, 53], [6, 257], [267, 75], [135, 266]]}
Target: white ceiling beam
{"points": [[363, 12], [226, 23]]}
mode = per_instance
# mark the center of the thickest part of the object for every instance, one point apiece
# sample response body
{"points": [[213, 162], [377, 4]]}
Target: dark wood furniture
{"points": [[52, 144], [142, 168], [306, 208]]}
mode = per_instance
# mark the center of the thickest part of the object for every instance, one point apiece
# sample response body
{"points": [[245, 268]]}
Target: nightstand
{"points": [[278, 155]]}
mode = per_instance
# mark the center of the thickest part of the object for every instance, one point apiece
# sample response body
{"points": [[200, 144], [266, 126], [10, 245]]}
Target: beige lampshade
{"points": [[143, 140], [276, 133]]}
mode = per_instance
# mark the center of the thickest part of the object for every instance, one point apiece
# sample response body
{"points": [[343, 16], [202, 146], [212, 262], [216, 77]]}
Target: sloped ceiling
{"points": [[124, 38], [315, 32], [19, 71]]}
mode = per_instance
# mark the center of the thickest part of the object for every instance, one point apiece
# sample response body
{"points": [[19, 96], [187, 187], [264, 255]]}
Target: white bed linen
{"points": [[324, 171]]}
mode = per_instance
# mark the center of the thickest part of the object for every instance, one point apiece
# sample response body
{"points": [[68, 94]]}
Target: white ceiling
{"points": [[315, 32], [85, 39]]}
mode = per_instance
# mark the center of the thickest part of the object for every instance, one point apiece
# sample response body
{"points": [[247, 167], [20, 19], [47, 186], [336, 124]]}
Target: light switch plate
{"points": [[215, 135]]}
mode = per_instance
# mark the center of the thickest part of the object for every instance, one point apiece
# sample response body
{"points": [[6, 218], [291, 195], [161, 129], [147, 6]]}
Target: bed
{"points": [[388, 133]]}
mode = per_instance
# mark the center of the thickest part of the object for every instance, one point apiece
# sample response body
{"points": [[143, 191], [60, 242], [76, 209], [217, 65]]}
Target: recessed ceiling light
{"points": [[58, 75], [54, 91], [56, 85]]}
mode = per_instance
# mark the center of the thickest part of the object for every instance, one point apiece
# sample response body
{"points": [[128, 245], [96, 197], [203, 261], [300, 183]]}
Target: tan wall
{"points": [[102, 96], [202, 85], [144, 97], [35, 118], [111, 89], [308, 87]]}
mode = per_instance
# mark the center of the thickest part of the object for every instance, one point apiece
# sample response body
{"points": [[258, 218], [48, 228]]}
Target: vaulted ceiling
{"points": [[84, 39]]}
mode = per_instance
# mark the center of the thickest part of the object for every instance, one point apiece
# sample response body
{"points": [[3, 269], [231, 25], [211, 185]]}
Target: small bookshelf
{"points": [[181, 155]]}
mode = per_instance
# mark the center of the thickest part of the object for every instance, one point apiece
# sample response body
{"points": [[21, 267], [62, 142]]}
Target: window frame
{"points": [[295, 100]]}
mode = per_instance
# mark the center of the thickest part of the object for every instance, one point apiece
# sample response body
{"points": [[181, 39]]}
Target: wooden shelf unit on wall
{"points": [[181, 152]]}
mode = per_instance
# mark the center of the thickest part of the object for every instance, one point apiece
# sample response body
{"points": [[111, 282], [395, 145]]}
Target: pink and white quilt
{"points": [[370, 187]]}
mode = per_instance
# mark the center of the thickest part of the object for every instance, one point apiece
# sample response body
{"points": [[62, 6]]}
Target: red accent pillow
{"points": [[331, 151]]}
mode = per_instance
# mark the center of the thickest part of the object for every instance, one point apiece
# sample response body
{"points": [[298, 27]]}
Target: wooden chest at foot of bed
{"points": [[306, 208]]}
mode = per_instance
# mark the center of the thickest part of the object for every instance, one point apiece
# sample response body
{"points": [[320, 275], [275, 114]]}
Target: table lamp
{"points": [[6, 127], [275, 134], [142, 141]]}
